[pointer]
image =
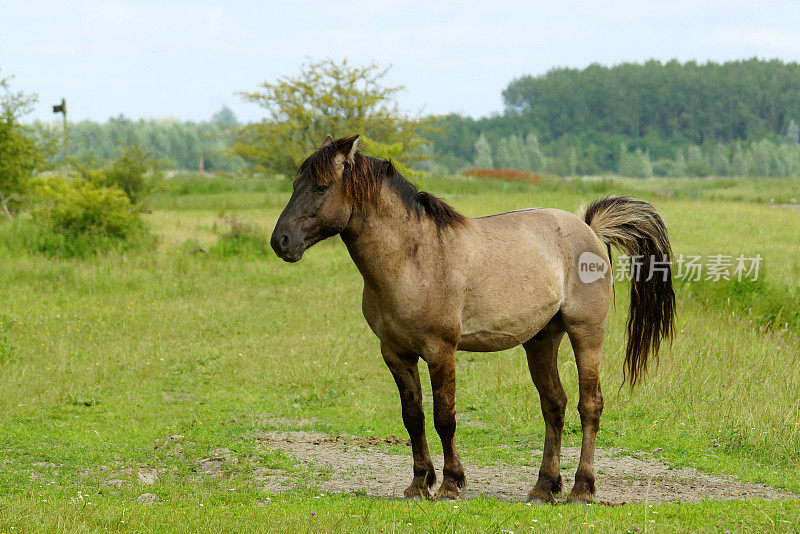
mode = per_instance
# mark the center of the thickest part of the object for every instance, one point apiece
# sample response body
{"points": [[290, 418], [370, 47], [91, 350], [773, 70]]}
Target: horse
{"points": [[436, 282]]}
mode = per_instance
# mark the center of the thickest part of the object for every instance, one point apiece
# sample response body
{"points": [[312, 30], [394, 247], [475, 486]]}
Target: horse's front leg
{"points": [[442, 366], [406, 375]]}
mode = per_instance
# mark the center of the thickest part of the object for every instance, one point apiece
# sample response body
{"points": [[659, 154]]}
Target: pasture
{"points": [[173, 388]]}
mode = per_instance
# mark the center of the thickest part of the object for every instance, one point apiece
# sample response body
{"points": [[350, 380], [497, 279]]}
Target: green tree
{"points": [[720, 165], [518, 156], [483, 153], [19, 153], [789, 156], [696, 162], [134, 172], [572, 162], [659, 108], [636, 163], [534, 153], [225, 117], [503, 158], [738, 161], [176, 143], [761, 159], [326, 98], [679, 170], [793, 133]]}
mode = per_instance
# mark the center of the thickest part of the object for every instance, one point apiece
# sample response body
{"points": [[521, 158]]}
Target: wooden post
{"points": [[66, 131], [62, 108]]}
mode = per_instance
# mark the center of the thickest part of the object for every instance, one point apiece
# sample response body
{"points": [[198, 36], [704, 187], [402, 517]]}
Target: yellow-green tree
{"points": [[19, 153], [326, 98]]}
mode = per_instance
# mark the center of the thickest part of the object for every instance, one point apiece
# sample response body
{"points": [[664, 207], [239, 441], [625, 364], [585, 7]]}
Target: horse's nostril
{"points": [[284, 241]]}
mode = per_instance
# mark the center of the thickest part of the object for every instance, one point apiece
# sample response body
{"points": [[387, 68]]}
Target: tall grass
{"points": [[26, 236]]}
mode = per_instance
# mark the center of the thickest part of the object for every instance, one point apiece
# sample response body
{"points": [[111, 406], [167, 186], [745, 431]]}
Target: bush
{"points": [[27, 236], [135, 173], [77, 206], [664, 167], [20, 156], [242, 239], [73, 217]]}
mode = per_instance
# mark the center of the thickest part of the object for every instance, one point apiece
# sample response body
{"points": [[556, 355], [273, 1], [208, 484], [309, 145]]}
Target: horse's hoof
{"points": [[417, 494], [447, 495], [535, 501], [579, 500], [539, 496]]}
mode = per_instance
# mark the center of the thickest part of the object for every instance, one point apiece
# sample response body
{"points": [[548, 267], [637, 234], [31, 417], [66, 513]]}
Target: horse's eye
{"points": [[321, 189]]}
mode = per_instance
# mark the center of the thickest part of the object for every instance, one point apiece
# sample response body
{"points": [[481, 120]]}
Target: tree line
{"points": [[176, 144], [598, 119], [663, 119]]}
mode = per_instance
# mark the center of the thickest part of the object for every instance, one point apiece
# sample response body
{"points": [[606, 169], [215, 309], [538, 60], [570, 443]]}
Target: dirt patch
{"points": [[215, 464], [149, 475], [357, 465], [147, 498]]}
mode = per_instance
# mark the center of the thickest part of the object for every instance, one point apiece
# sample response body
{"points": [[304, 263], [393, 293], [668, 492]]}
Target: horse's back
{"points": [[522, 268], [535, 234]]}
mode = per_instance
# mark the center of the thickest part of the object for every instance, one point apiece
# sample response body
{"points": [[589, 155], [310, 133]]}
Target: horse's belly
{"points": [[506, 326], [487, 341]]}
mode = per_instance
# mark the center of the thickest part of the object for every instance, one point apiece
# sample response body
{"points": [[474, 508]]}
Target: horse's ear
{"points": [[328, 141], [350, 148]]}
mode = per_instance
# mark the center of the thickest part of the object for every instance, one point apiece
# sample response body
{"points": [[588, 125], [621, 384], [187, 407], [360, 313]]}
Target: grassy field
{"points": [[102, 359]]}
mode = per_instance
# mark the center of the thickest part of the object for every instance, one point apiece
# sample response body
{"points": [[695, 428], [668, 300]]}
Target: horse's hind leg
{"points": [[543, 364], [586, 337], [406, 375]]}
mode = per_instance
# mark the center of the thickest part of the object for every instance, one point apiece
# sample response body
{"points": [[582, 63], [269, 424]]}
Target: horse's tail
{"points": [[636, 228]]}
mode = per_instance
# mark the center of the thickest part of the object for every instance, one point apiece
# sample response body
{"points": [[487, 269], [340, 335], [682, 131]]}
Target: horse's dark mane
{"points": [[362, 179]]}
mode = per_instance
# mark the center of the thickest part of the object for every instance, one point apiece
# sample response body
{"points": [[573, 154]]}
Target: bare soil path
{"points": [[358, 465]]}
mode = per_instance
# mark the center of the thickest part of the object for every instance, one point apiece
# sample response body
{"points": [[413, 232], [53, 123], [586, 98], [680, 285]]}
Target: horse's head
{"points": [[321, 202]]}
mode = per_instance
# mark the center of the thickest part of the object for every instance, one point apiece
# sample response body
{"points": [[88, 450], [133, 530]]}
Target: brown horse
{"points": [[436, 282]]}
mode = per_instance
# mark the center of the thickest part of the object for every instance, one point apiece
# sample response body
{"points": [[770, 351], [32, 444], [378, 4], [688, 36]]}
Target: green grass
{"points": [[25, 235], [760, 190], [101, 356]]}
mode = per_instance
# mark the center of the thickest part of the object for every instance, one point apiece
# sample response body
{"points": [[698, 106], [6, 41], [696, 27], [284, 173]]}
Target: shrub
{"points": [[78, 206], [135, 173], [20, 156], [73, 217], [242, 239]]}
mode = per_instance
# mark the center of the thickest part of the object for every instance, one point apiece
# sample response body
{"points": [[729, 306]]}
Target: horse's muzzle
{"points": [[287, 249]]}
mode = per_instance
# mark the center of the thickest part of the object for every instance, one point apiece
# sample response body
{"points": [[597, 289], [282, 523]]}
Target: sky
{"points": [[186, 59]]}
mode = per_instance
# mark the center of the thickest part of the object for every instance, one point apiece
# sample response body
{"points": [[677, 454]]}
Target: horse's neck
{"points": [[384, 238]]}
